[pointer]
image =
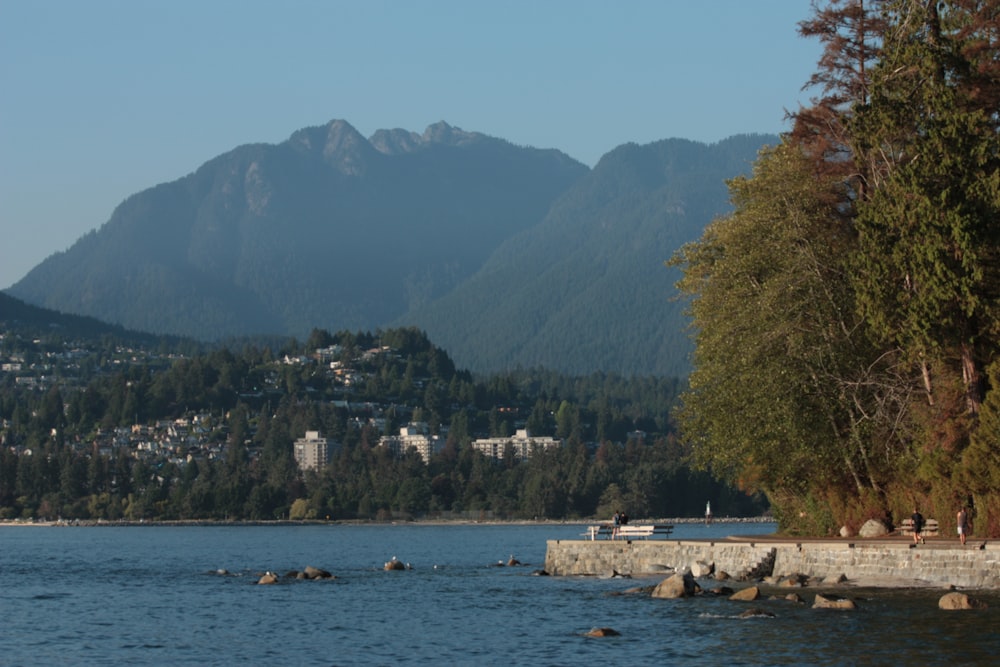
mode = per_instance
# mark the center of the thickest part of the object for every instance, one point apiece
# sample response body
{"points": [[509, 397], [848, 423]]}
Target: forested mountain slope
{"points": [[587, 289], [327, 229], [507, 256]]}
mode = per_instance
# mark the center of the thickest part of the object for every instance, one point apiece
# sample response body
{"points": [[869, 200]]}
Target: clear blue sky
{"points": [[100, 99]]}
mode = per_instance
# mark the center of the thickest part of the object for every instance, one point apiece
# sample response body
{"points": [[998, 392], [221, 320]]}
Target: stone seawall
{"points": [[968, 567], [640, 557], [877, 563]]}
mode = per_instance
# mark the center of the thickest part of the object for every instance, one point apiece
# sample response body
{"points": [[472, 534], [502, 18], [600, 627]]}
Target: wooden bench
{"points": [[930, 527], [644, 531], [629, 531]]}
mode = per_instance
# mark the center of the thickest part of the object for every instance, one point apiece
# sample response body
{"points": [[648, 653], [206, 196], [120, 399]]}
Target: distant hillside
{"points": [[586, 289], [28, 320], [327, 230], [508, 257]]}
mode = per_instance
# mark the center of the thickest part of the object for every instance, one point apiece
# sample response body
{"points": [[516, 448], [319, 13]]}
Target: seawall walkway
{"points": [[889, 562]]}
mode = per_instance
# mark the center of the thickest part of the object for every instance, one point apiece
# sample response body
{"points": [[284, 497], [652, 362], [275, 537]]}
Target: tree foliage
{"points": [[845, 311], [251, 407]]}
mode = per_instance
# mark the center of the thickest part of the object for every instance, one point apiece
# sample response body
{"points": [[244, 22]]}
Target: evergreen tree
{"points": [[928, 271]]}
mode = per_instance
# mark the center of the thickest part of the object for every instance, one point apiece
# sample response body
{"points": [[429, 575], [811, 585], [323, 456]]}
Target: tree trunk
{"points": [[970, 376], [925, 371]]}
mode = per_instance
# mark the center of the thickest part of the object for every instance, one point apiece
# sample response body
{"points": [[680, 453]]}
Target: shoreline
{"points": [[142, 523], [885, 562]]}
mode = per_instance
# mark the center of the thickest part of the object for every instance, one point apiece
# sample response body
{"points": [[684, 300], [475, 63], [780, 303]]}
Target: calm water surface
{"points": [[152, 596]]}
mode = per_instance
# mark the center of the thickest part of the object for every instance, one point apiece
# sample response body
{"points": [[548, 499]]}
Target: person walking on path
{"points": [[918, 525], [708, 512], [963, 524]]}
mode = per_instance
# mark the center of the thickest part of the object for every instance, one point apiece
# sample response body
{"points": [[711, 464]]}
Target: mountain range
{"points": [[507, 256]]}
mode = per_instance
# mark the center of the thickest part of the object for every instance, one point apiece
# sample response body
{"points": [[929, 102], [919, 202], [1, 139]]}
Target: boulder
{"points": [[615, 574], [830, 602], [268, 578], [677, 586], [602, 632], [793, 581], [756, 612], [748, 594], [959, 601], [845, 532], [722, 575], [394, 564], [702, 569], [316, 573], [794, 597], [873, 528]]}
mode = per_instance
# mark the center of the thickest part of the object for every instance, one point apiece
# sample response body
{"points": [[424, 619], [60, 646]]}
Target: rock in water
{"points": [[316, 573], [602, 632], [394, 564], [677, 586], [959, 601], [824, 602], [702, 569], [748, 594]]}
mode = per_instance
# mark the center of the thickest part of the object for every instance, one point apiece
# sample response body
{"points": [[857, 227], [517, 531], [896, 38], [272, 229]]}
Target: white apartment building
{"points": [[414, 434], [522, 442], [312, 452]]}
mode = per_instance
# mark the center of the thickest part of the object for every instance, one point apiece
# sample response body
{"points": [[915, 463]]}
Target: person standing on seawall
{"points": [[963, 524], [918, 525]]}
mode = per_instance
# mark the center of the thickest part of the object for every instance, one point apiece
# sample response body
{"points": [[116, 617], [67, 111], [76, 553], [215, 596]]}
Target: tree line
{"points": [[847, 311], [254, 406]]}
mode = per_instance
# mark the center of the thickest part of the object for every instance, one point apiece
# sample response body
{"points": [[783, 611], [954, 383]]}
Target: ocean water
{"points": [[154, 596]]}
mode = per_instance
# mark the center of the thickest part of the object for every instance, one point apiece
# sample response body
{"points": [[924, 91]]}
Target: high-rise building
{"points": [[312, 452]]}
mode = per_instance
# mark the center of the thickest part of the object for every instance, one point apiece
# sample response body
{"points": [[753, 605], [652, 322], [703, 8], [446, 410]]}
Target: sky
{"points": [[105, 98]]}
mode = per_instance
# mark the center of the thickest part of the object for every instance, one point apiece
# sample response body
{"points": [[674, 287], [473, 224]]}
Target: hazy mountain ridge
{"points": [[323, 230], [507, 256], [24, 319], [587, 288]]}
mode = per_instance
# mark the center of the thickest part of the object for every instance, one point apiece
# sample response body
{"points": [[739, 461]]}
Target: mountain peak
{"points": [[339, 131], [396, 141], [345, 147], [443, 133], [340, 144]]}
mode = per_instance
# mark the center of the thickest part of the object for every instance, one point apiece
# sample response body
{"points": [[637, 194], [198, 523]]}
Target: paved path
{"points": [[888, 540]]}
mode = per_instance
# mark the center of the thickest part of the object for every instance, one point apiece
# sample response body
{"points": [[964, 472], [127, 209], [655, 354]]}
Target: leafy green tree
{"points": [[929, 262], [979, 472], [567, 419], [786, 379]]}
